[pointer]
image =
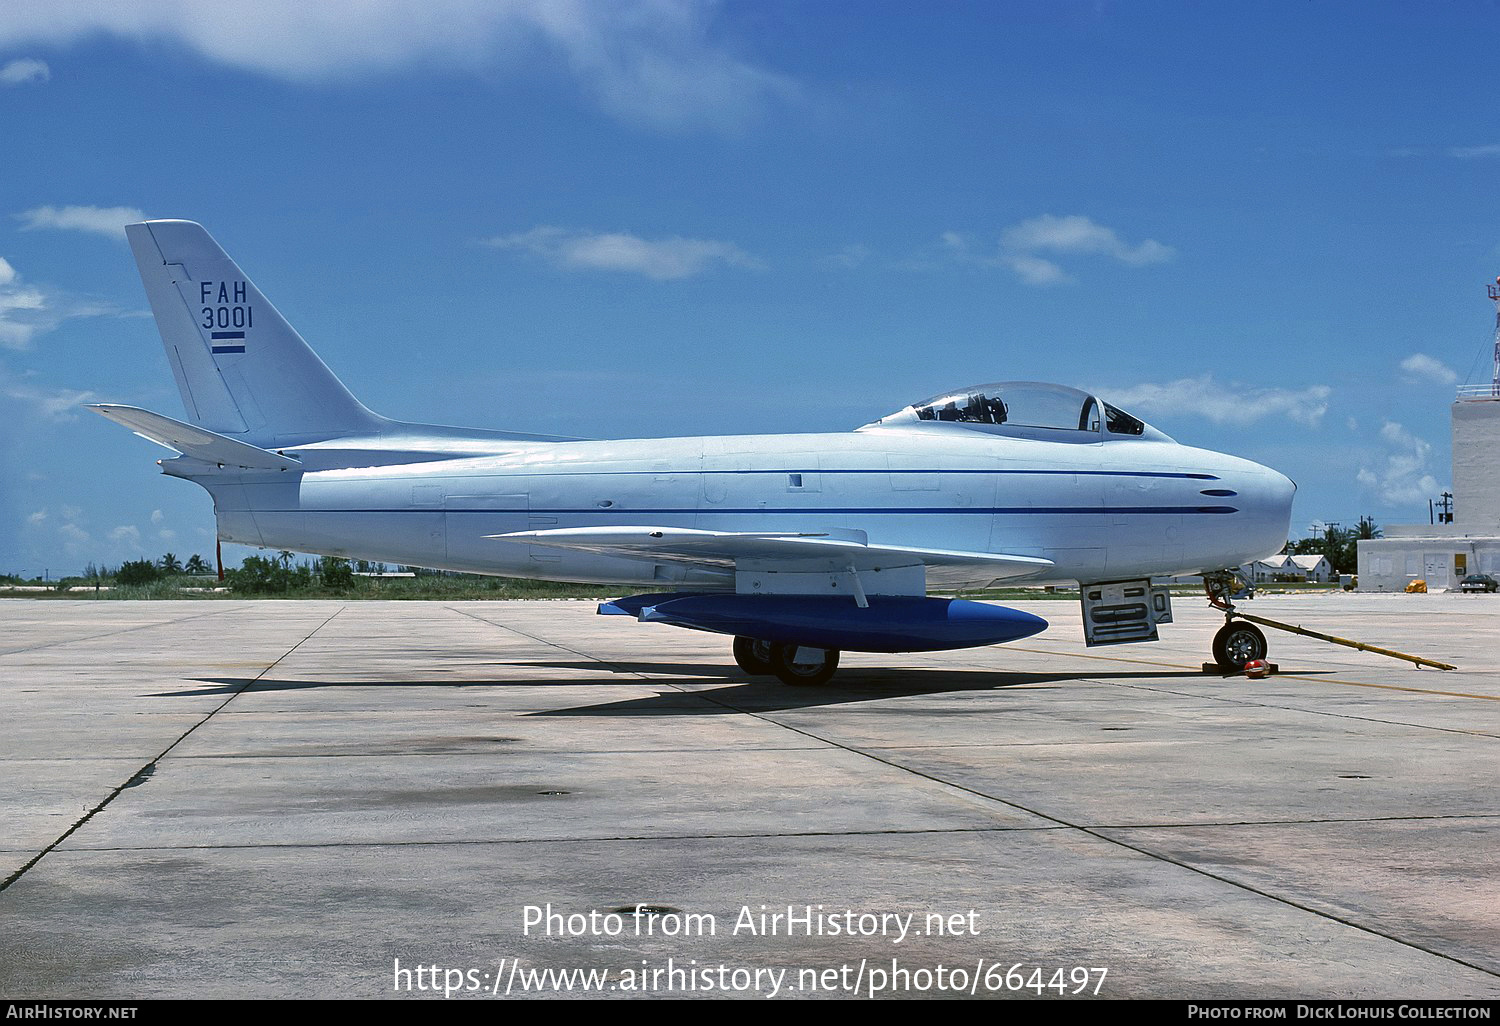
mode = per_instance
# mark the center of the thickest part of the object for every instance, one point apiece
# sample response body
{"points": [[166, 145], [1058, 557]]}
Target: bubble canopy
{"points": [[1028, 409]]}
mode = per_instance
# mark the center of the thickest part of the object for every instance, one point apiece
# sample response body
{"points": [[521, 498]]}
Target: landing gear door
{"points": [[1117, 612]]}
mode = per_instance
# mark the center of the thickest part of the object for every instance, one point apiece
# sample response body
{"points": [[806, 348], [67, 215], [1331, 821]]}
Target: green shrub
{"points": [[261, 576], [137, 571], [336, 573]]}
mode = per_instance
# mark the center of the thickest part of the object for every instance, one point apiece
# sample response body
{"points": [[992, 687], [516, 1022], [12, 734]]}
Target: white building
{"points": [[1443, 554], [1312, 567], [1288, 568], [1269, 569]]}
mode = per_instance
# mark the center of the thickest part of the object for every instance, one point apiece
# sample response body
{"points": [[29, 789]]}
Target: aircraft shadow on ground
{"points": [[713, 690]]}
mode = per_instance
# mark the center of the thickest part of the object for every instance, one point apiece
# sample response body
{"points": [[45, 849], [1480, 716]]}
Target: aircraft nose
{"points": [[1262, 497], [1288, 492], [1283, 487], [1272, 496]]}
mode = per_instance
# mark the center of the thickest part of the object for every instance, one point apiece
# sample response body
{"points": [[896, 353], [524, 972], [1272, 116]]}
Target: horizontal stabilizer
{"points": [[791, 551], [199, 443]]}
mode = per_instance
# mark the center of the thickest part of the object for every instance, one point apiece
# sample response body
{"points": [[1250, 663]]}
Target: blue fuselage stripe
{"points": [[693, 511], [894, 470]]}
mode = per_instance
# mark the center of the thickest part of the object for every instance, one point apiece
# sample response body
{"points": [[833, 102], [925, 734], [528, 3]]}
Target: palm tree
{"points": [[197, 565], [170, 564]]}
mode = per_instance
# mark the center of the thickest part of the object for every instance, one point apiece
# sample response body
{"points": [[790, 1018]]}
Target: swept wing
{"points": [[834, 551]]}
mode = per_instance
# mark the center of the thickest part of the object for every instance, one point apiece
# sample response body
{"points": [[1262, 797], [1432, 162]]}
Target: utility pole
{"points": [[1446, 506], [1495, 295], [1330, 537]]}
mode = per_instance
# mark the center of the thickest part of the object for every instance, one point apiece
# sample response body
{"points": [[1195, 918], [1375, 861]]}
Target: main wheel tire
{"points": [[754, 656], [803, 674], [1237, 643]]}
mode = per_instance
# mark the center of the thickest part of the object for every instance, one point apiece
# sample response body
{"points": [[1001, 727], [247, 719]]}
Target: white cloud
{"points": [[1404, 478], [51, 405], [645, 61], [1034, 248], [1223, 404], [27, 69], [109, 221], [126, 534], [24, 310], [55, 405], [1075, 234], [650, 61], [69, 534], [1470, 152], [661, 259], [1421, 367], [75, 538], [1034, 270], [848, 258], [27, 311], [955, 246]]}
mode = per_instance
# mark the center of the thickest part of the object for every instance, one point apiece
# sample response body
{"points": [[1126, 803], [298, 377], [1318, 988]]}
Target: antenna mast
{"points": [[1495, 381]]}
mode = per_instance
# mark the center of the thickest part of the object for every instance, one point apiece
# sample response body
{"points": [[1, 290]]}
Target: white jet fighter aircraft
{"points": [[797, 545]]}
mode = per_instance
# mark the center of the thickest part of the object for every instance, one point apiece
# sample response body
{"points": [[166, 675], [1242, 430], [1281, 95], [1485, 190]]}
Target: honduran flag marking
{"points": [[227, 341]]}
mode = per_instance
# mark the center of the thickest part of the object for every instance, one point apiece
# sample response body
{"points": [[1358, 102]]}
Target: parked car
{"points": [[1478, 582]]}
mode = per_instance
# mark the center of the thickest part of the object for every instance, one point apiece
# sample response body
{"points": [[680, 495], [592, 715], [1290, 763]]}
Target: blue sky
{"points": [[1265, 228]]}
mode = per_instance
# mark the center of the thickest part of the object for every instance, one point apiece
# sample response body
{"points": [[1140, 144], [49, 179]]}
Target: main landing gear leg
{"points": [[1238, 641]]}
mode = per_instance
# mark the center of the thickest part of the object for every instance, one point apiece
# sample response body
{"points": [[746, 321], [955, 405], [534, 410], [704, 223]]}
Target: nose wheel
{"points": [[1237, 643]]}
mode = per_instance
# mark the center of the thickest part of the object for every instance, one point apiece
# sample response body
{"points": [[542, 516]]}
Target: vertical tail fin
{"points": [[241, 368]]}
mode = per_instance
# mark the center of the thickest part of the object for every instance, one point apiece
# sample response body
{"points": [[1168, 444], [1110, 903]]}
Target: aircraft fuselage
{"points": [[1098, 511]]}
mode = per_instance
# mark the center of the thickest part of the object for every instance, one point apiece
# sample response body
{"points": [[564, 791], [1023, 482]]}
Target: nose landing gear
{"points": [[1238, 641]]}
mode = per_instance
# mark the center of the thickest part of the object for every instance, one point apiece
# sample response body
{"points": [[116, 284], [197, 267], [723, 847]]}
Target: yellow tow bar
{"points": [[1221, 585], [1344, 641]]}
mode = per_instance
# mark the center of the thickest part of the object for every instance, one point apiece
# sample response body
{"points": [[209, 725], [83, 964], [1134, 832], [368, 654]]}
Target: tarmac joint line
{"points": [[143, 774]]}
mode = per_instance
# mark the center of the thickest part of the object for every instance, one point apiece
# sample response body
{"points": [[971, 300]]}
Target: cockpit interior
{"points": [[1029, 409]]}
